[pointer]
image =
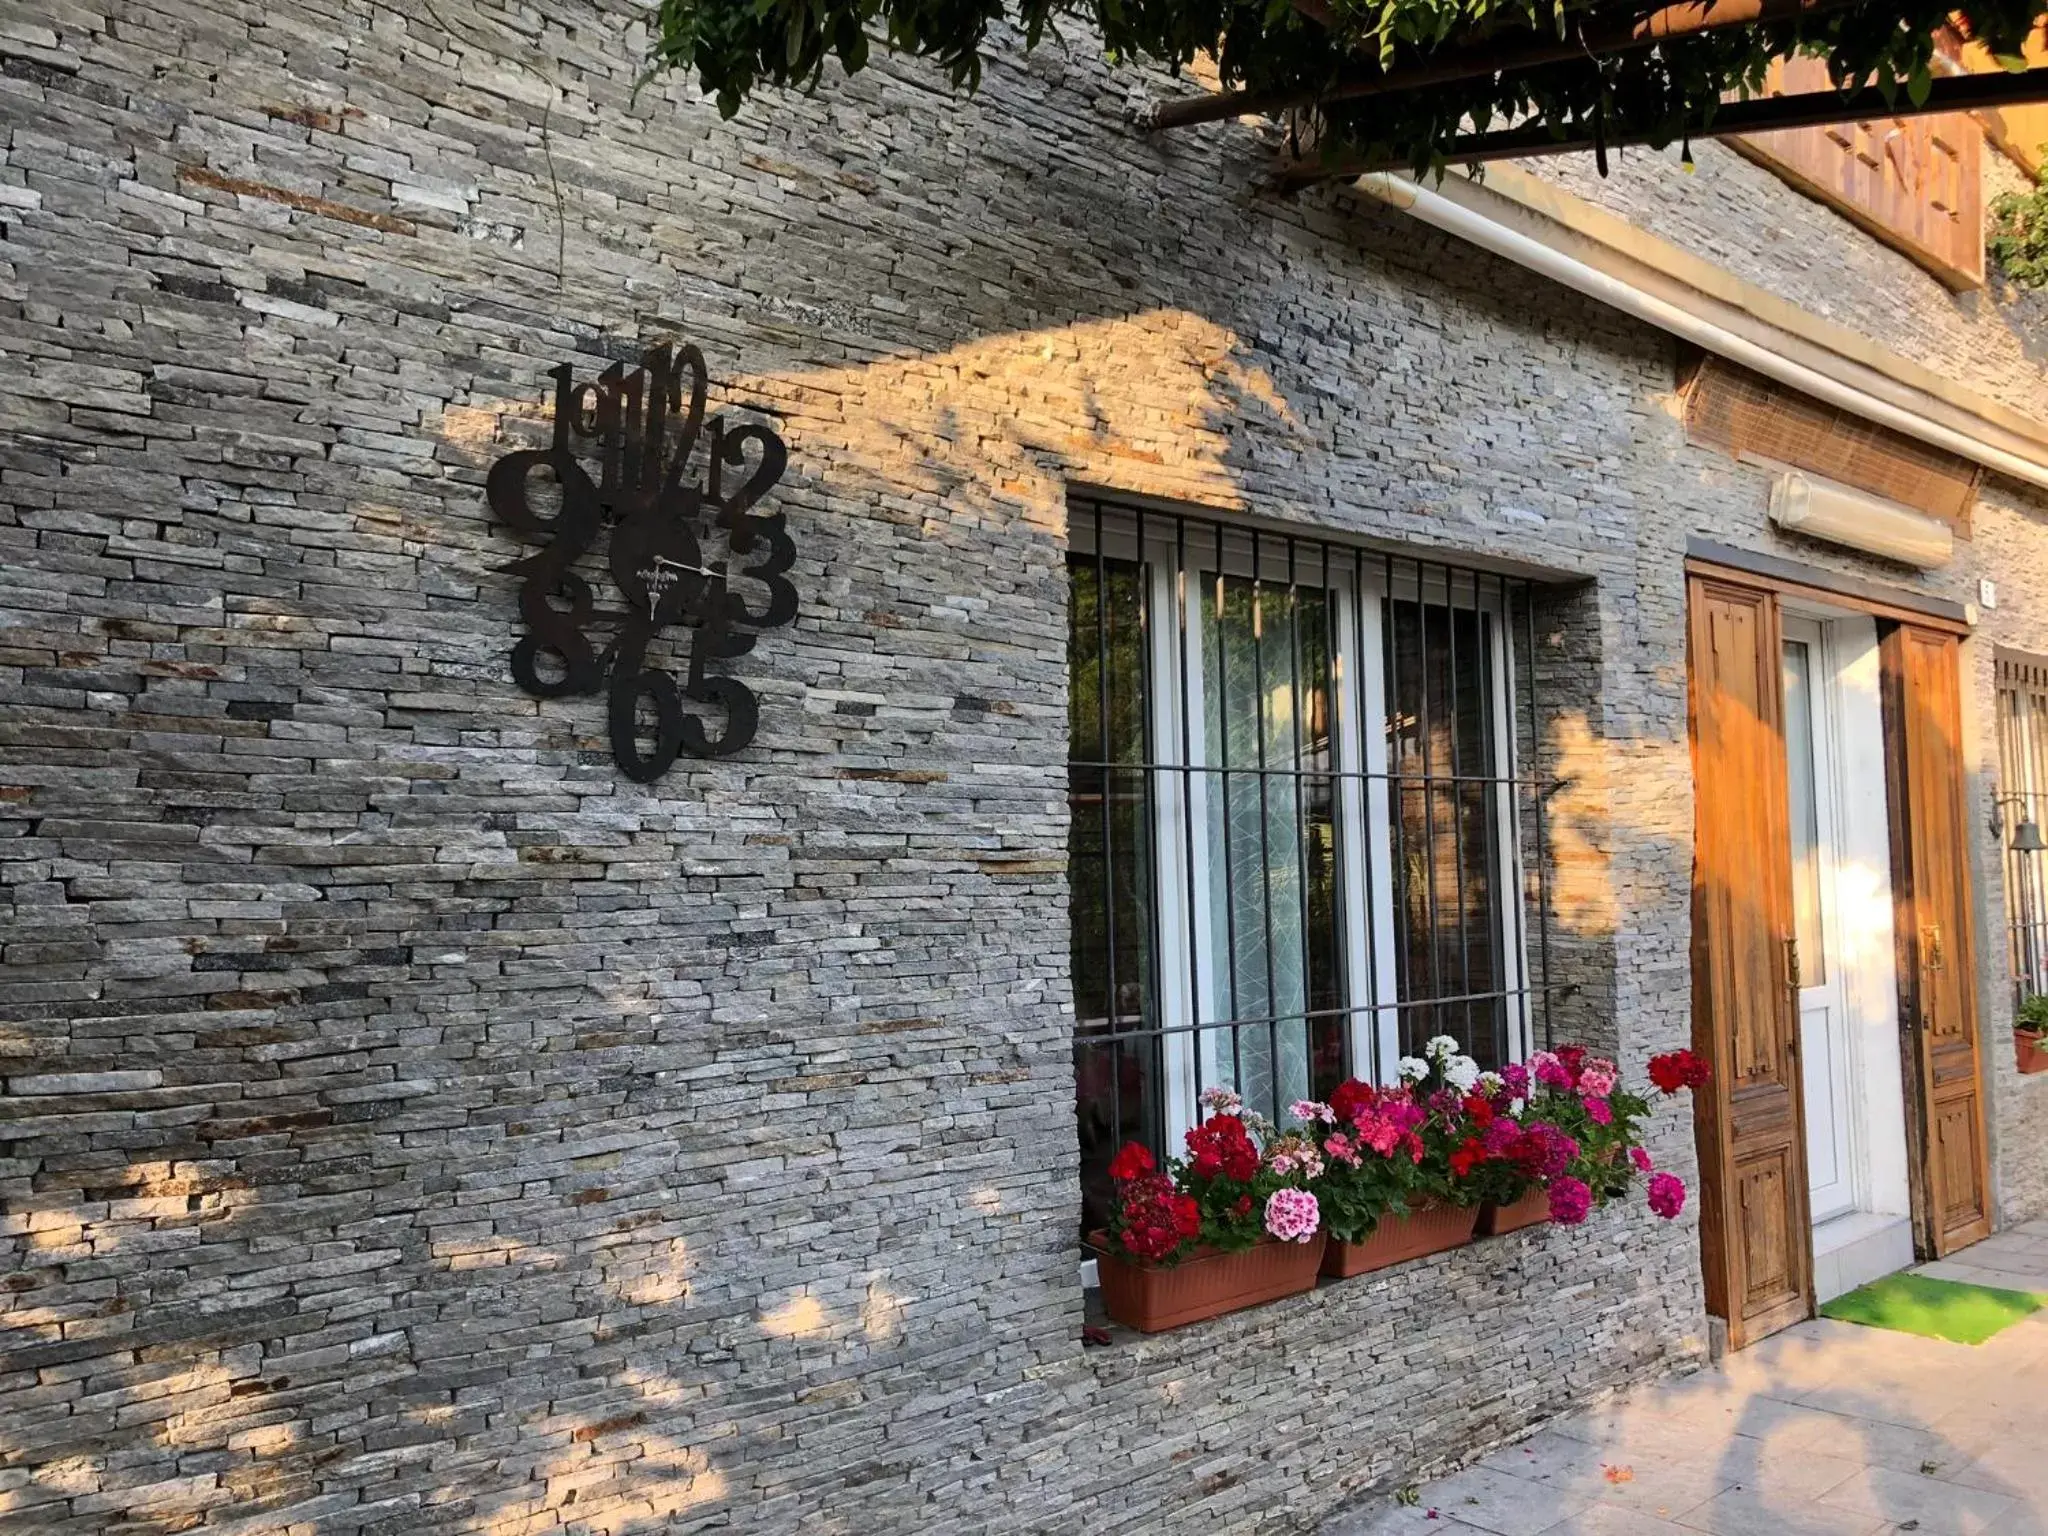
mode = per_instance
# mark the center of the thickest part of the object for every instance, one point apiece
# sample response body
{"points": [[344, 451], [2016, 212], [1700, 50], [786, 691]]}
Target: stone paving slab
{"points": [[1827, 1429]]}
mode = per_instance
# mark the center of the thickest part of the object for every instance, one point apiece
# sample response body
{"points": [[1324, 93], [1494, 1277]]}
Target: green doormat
{"points": [[1934, 1309]]}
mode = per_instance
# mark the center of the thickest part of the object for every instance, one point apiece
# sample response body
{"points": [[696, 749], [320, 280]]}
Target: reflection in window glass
{"points": [[1110, 865], [1441, 752]]}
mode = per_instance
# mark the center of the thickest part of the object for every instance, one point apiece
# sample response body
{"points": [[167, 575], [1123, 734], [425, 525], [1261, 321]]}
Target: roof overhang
{"points": [[1548, 230]]}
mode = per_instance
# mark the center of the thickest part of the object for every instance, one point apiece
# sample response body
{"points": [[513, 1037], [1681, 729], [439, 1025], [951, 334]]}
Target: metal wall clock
{"points": [[688, 551]]}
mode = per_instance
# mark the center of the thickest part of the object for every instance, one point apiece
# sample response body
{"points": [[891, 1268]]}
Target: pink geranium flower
{"points": [[1377, 1131], [1292, 1215], [1570, 1200], [1667, 1195], [1551, 1071]]}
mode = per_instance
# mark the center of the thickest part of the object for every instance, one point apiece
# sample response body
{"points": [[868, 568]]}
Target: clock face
{"points": [[657, 560]]}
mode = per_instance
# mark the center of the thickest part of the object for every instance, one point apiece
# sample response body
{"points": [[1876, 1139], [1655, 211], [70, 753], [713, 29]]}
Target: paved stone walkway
{"points": [[1827, 1429]]}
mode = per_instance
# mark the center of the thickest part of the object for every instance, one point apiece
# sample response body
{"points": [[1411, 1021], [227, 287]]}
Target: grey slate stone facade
{"points": [[412, 1125]]}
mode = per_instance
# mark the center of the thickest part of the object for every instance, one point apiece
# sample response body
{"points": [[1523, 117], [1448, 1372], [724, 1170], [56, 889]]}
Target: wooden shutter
{"points": [[1937, 969], [1915, 183], [1756, 1249]]}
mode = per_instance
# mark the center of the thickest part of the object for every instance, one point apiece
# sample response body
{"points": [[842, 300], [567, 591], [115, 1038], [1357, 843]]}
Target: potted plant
{"points": [[1386, 1186], [1596, 1151], [1231, 1225], [2030, 1034], [1503, 1156], [1501, 1159]]}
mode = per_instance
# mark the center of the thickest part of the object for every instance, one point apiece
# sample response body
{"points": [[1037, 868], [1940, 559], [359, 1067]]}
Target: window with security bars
{"points": [[2023, 798], [1302, 840]]}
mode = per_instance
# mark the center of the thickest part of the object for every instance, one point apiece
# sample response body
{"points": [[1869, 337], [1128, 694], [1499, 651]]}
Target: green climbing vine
{"points": [[2018, 238]]}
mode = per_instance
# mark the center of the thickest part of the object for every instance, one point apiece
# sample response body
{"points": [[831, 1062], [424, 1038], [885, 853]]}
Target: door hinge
{"points": [[1792, 964]]}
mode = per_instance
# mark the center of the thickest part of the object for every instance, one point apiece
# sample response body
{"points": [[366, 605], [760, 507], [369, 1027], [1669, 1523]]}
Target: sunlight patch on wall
{"points": [[491, 1252], [801, 1317]]}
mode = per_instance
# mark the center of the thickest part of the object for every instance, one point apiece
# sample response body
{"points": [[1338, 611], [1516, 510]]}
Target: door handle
{"points": [[1930, 948], [1792, 965]]}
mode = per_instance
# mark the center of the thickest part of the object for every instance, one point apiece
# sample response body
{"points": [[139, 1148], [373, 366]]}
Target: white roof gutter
{"points": [[1467, 223]]}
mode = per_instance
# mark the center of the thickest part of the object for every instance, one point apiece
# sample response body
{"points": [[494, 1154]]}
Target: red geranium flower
{"points": [[1469, 1154], [1221, 1146], [1352, 1097], [1157, 1219], [1134, 1161], [1679, 1069], [1478, 1110]]}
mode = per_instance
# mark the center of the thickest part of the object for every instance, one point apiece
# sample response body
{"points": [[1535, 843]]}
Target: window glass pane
{"points": [[1805, 799], [1275, 980], [1441, 753], [1111, 869]]}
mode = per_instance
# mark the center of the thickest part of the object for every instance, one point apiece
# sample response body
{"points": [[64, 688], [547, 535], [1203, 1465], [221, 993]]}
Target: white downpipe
{"points": [[1456, 219]]}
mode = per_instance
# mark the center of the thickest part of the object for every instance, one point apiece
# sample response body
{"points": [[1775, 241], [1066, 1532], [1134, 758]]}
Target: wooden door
{"points": [[1937, 969], [1756, 1246]]}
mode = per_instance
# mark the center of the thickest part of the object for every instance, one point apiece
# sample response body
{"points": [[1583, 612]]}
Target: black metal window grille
{"points": [[2023, 797], [1305, 834]]}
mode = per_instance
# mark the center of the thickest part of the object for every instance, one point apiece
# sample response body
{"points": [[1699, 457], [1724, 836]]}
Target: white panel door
{"points": [[1823, 1006]]}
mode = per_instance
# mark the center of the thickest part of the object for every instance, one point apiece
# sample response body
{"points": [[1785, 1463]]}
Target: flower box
{"points": [[1155, 1297], [2032, 1049], [1532, 1209], [1428, 1228]]}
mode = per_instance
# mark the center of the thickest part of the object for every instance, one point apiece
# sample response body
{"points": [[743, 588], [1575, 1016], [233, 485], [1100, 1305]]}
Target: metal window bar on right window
{"points": [[1308, 831], [2023, 798]]}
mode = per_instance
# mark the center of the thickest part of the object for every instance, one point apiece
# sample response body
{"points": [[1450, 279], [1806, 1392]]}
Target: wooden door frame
{"points": [[1892, 609]]}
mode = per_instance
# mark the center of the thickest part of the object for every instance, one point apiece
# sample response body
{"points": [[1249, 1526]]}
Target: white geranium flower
{"points": [[1221, 1101], [1461, 1072], [1412, 1069], [1440, 1046], [1490, 1083]]}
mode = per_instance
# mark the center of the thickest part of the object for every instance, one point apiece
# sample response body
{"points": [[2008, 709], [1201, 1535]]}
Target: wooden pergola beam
{"points": [[1683, 19], [1809, 109]]}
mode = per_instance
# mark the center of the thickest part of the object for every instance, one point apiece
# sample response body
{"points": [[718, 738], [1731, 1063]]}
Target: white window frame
{"points": [[1356, 579]]}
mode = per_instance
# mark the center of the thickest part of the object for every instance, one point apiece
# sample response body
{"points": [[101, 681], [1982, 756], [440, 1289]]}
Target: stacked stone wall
{"points": [[413, 1125]]}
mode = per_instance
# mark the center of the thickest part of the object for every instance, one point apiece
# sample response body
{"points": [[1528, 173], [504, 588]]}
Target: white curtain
{"points": [[1257, 907]]}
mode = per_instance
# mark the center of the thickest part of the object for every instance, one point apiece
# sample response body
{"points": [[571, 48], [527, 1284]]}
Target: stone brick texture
{"points": [[413, 1125]]}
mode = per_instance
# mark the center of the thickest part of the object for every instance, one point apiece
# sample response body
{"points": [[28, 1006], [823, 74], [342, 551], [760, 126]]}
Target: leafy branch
{"points": [[1308, 48]]}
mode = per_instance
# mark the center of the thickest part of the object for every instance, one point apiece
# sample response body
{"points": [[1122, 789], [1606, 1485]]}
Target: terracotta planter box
{"points": [[1397, 1239], [2033, 1052], [1531, 1209], [1151, 1299]]}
